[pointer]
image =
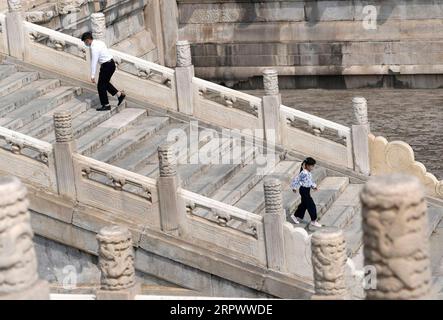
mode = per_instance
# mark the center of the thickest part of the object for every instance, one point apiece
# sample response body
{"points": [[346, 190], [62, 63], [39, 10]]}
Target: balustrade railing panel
{"points": [[29, 159], [118, 191], [219, 228], [225, 107], [335, 146], [67, 55]]}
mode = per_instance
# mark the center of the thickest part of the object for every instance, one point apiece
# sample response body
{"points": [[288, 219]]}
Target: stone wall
{"points": [[234, 40], [70, 270], [126, 26]]}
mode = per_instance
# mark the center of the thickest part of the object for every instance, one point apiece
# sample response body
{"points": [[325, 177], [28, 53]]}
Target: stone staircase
{"points": [[128, 137]]}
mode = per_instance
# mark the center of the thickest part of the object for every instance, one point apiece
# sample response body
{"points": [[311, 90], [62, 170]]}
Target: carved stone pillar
{"points": [[271, 107], [359, 134], [184, 73], [18, 263], [15, 5], [328, 262], [273, 224], [64, 148], [172, 207], [116, 262], [98, 25], [169, 24], [68, 6], [395, 239], [360, 107], [14, 29]]}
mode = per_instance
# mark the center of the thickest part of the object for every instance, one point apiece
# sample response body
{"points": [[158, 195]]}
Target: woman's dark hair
{"points": [[308, 161], [87, 35]]}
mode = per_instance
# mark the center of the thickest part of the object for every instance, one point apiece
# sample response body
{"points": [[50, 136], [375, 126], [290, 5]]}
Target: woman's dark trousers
{"points": [[306, 203]]}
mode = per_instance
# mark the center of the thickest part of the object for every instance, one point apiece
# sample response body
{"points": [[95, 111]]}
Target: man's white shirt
{"points": [[99, 54]]}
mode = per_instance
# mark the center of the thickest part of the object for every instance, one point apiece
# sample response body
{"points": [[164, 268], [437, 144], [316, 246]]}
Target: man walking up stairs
{"points": [[100, 54]]}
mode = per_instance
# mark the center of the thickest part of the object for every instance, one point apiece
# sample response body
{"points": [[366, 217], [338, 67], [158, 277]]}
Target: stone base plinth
{"points": [[38, 291], [126, 294]]}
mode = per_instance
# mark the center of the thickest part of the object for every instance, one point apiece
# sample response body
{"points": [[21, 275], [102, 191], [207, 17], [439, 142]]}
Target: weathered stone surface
{"points": [[18, 263], [360, 107], [184, 58], [116, 258], [270, 81], [395, 237], [328, 262], [63, 126], [167, 160], [14, 5], [98, 24]]}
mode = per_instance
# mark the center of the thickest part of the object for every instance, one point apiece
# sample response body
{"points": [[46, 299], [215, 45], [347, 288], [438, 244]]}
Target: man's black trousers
{"points": [[104, 85]]}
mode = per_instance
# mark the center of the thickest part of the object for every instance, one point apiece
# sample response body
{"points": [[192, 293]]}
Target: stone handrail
{"points": [[34, 29], [118, 177], [223, 213], [203, 84], [19, 142], [398, 156], [28, 158], [314, 121]]}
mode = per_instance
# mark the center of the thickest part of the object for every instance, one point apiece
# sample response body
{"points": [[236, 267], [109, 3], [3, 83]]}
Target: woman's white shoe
{"points": [[294, 218], [316, 224]]}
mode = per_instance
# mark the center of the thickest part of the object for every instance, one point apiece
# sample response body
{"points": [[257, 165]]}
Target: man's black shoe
{"points": [[121, 98], [104, 108]]}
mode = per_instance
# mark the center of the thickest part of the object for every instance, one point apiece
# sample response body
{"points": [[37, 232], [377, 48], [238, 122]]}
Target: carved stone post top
{"points": [[272, 182], [273, 196], [98, 25], [114, 234], [11, 191], [14, 5], [183, 43], [328, 262], [184, 57], [360, 107], [167, 160], [98, 16], [270, 82], [63, 126], [391, 190], [18, 263], [395, 237], [327, 234]]}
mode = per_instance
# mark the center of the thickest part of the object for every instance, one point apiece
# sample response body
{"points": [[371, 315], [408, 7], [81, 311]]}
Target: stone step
{"points": [[186, 169], [16, 81], [215, 176], [109, 129], [26, 94], [354, 234], [45, 124], [7, 70], [291, 200], [84, 123], [36, 108], [130, 140], [343, 209], [240, 184], [147, 150], [189, 172], [254, 200], [329, 189]]}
